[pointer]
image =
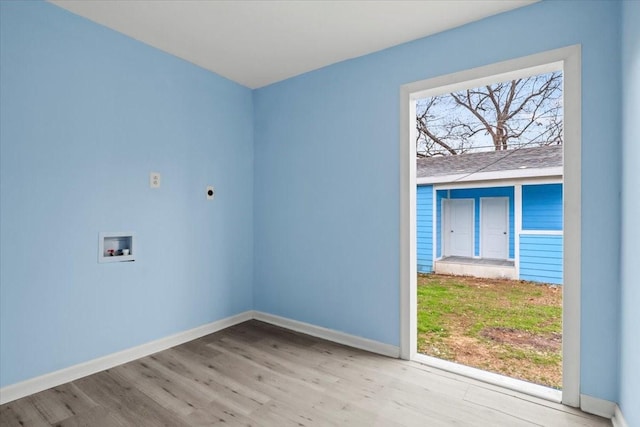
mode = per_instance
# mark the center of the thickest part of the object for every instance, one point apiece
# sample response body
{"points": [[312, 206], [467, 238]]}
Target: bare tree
{"points": [[511, 114]]}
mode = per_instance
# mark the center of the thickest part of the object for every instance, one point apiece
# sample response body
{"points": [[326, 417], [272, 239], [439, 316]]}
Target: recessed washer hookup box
{"points": [[116, 247]]}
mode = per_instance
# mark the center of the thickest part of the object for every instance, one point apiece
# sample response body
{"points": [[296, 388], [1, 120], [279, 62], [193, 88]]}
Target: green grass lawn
{"points": [[505, 326]]}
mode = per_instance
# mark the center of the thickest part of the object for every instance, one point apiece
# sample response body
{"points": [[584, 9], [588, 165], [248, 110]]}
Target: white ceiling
{"points": [[259, 42]]}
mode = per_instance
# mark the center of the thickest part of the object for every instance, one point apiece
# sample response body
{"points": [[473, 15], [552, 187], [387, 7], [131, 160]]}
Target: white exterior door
{"points": [[458, 227], [494, 227]]}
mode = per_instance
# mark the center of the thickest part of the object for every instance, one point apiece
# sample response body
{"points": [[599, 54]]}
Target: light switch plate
{"points": [[154, 180], [211, 192]]}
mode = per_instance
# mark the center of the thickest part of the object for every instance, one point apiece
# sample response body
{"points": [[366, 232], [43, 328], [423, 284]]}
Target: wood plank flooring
{"points": [[255, 374]]}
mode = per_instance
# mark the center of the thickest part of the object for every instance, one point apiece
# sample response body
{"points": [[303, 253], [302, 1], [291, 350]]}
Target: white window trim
{"points": [[569, 60]]}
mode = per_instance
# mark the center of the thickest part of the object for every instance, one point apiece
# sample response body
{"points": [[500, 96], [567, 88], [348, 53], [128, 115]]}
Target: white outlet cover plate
{"points": [[210, 197], [154, 180]]}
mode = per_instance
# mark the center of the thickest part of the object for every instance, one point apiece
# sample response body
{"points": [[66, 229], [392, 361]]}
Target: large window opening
{"points": [[490, 273], [493, 170]]}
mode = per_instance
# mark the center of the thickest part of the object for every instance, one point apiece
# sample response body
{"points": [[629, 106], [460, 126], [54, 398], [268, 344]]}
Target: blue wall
{"points": [[541, 258], [424, 228], [85, 115], [542, 207], [327, 189], [630, 314]]}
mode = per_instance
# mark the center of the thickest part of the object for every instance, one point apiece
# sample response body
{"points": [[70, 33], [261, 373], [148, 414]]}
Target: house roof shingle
{"points": [[490, 161]]}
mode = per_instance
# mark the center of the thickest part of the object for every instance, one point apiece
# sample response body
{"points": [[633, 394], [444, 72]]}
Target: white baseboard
{"points": [[56, 378], [330, 334], [596, 406], [53, 379], [618, 419]]}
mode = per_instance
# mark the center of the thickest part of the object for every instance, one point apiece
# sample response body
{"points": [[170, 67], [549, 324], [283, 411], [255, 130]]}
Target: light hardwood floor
{"points": [[255, 374]]}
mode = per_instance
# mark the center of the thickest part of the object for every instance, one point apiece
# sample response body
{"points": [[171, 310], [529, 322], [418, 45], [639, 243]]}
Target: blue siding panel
{"points": [[541, 258], [424, 228], [542, 207], [540, 239]]}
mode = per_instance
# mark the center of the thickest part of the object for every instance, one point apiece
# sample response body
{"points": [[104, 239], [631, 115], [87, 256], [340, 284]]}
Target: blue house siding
{"points": [[424, 231], [541, 258], [541, 254], [476, 194], [542, 207]]}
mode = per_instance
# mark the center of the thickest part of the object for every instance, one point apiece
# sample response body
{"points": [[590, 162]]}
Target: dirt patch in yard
{"points": [[518, 338]]}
